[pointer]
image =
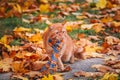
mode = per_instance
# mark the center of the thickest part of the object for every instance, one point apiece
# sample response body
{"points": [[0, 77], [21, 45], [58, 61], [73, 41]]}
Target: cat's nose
{"points": [[60, 34]]}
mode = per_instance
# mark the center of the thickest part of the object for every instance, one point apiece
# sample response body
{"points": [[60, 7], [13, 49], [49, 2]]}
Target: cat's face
{"points": [[58, 31]]}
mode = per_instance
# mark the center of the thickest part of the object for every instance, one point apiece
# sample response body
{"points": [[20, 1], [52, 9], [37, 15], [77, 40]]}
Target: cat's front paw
{"points": [[67, 69]]}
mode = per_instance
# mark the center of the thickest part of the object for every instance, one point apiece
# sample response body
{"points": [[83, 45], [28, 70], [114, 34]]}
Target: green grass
{"points": [[74, 32]]}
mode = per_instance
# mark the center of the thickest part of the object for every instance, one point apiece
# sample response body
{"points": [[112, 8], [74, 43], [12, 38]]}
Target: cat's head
{"points": [[57, 31]]}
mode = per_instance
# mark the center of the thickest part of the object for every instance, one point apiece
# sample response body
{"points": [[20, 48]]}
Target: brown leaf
{"points": [[12, 54], [5, 55], [117, 16], [102, 68], [33, 74], [37, 65], [88, 74]]}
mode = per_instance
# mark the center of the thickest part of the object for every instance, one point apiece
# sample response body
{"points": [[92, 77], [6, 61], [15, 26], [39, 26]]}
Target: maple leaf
{"points": [[50, 77], [17, 7], [44, 8], [35, 37], [110, 76], [4, 39], [101, 4], [88, 74], [19, 77], [107, 19], [18, 67], [69, 28], [98, 27], [5, 64], [21, 29], [37, 65], [112, 40], [44, 1], [102, 68]]}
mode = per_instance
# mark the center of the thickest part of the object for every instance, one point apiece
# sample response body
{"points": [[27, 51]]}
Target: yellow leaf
{"points": [[69, 28], [4, 39], [50, 77], [90, 49], [35, 38], [110, 76], [44, 8], [21, 29], [98, 27], [44, 1], [101, 4], [17, 7]]}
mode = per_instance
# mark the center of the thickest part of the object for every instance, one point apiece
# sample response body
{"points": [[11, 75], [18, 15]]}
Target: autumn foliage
{"points": [[93, 25]]}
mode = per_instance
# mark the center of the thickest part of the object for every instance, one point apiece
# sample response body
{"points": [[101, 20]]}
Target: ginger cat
{"points": [[56, 35]]}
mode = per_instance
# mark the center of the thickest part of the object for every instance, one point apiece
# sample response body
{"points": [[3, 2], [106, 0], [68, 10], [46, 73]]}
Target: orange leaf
{"points": [[81, 35], [18, 66], [107, 19], [105, 45], [12, 54]]}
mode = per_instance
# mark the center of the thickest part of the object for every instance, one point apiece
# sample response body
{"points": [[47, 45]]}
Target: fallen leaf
{"points": [[110, 76], [35, 37], [69, 28], [18, 67], [5, 65], [44, 8], [101, 4], [102, 68], [98, 27], [49, 77], [37, 65], [88, 74], [21, 29], [112, 40], [19, 77]]}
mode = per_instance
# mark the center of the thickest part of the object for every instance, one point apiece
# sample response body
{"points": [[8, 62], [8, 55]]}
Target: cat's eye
{"points": [[56, 32], [63, 31]]}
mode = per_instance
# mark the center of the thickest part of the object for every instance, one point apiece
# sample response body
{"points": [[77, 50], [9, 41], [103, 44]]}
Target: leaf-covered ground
{"points": [[94, 26]]}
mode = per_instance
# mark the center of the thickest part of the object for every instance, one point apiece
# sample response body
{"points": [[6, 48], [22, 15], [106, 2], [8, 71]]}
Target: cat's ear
{"points": [[64, 24], [50, 27]]}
